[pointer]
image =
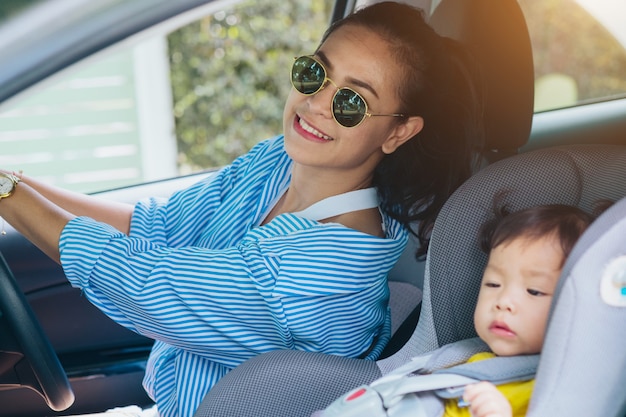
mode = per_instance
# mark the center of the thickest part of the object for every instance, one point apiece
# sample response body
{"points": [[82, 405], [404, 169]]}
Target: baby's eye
{"points": [[492, 285], [536, 293]]}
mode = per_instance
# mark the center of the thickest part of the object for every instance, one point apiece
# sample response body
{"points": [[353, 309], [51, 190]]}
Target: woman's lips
{"points": [[309, 132]]}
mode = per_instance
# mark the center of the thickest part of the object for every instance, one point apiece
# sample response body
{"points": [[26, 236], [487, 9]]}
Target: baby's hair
{"points": [[566, 223]]}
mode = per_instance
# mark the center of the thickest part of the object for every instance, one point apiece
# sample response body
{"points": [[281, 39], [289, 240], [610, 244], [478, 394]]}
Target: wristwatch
{"points": [[8, 182]]}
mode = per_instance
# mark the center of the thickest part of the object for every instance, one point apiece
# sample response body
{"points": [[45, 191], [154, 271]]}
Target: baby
{"points": [[527, 250]]}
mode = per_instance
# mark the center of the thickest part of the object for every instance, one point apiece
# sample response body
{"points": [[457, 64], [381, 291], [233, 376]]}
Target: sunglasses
{"points": [[349, 108]]}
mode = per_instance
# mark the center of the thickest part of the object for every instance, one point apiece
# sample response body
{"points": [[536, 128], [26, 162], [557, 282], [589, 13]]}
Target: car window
{"points": [[176, 103], [578, 49]]}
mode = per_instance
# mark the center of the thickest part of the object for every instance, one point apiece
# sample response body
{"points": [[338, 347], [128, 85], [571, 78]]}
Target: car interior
{"points": [[572, 156]]}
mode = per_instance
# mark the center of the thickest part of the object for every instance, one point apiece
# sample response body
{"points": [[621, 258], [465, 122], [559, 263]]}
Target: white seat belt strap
{"points": [[340, 204]]}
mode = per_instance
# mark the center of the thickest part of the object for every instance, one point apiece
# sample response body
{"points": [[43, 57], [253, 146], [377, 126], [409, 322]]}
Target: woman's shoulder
{"points": [[263, 156], [301, 232], [267, 148]]}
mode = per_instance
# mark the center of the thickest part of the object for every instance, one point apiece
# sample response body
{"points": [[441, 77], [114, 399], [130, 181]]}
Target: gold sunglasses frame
{"points": [[325, 82]]}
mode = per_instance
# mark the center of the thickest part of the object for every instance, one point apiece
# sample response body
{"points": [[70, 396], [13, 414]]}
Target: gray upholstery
{"points": [[575, 175], [403, 298], [583, 364], [285, 384]]}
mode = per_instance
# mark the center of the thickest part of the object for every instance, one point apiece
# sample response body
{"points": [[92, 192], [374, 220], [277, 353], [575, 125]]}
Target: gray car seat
{"points": [[581, 369], [577, 175]]}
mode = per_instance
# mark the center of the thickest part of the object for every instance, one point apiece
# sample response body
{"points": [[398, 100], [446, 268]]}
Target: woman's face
{"points": [[361, 60]]}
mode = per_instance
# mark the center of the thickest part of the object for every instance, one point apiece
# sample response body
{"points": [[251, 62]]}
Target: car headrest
{"points": [[496, 34]]}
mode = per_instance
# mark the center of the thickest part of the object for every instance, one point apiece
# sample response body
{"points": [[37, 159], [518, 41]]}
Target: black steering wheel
{"points": [[26, 355]]}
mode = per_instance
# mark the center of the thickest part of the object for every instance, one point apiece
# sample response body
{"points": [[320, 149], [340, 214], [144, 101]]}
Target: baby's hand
{"points": [[486, 401]]}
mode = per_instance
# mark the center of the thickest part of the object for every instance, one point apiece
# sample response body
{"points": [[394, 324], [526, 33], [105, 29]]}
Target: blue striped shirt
{"points": [[213, 289]]}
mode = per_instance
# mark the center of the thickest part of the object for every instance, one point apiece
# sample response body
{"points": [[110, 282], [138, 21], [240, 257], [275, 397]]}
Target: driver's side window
{"points": [[173, 104]]}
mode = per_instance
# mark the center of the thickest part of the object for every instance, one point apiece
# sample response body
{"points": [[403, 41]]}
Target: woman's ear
{"points": [[402, 133]]}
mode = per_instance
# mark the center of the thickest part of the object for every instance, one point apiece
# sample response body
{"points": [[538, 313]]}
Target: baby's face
{"points": [[515, 295]]}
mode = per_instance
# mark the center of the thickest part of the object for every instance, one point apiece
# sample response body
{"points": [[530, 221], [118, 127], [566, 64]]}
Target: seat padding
{"points": [[285, 383], [582, 370], [576, 175]]}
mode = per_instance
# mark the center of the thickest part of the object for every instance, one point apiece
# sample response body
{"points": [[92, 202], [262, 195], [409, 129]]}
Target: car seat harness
{"points": [[418, 388]]}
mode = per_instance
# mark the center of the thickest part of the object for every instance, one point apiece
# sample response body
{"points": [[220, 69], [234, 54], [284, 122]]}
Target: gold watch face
{"points": [[7, 185]]}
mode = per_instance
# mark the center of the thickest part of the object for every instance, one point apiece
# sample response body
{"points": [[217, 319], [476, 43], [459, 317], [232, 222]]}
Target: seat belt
{"points": [[417, 388], [336, 205]]}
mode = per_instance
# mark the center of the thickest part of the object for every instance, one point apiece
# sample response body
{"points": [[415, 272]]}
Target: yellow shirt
{"points": [[518, 394]]}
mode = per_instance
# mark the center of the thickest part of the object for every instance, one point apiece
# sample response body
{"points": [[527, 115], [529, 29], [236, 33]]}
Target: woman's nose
{"points": [[321, 102]]}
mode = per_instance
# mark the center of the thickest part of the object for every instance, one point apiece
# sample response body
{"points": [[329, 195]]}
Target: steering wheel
{"points": [[26, 355]]}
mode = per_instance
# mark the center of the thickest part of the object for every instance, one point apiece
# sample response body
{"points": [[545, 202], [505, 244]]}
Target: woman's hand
{"points": [[486, 401]]}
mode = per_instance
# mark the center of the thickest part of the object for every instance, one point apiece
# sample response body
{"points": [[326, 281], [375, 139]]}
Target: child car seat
{"points": [[577, 362]]}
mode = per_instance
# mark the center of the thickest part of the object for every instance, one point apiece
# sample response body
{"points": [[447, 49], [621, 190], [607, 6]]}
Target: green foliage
{"points": [[230, 75], [12, 7]]}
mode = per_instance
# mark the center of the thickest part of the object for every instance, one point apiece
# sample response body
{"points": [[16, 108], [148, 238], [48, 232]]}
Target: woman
{"points": [[289, 246]]}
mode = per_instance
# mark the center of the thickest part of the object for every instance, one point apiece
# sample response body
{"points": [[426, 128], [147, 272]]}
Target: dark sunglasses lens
{"points": [[307, 75], [348, 107]]}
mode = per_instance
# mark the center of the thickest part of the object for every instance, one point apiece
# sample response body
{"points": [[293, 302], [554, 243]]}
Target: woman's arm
{"points": [[40, 212], [111, 212], [261, 294], [37, 218]]}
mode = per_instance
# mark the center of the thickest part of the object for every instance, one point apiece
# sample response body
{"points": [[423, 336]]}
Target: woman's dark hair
{"points": [[440, 85], [566, 223]]}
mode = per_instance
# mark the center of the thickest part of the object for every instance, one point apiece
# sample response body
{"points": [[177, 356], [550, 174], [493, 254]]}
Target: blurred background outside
{"points": [[198, 97]]}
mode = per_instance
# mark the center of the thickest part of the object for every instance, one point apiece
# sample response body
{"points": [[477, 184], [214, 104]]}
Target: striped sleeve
{"points": [[280, 291], [183, 218], [196, 299]]}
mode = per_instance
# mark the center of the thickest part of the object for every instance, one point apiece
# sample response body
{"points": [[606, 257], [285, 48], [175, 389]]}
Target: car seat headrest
{"points": [[496, 34]]}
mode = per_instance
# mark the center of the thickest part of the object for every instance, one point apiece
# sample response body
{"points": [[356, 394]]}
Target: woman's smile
{"points": [[308, 131]]}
